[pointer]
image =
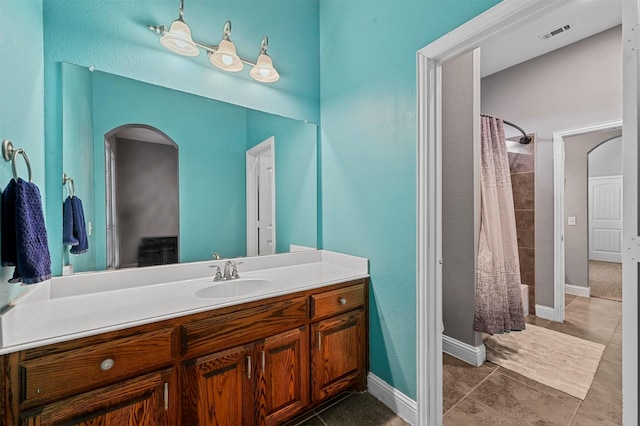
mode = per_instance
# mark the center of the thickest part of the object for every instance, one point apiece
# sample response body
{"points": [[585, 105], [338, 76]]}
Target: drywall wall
{"points": [[606, 159], [459, 210], [22, 100], [576, 243], [575, 86], [368, 156]]}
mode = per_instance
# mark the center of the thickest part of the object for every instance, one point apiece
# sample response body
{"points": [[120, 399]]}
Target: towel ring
{"points": [[10, 153]]}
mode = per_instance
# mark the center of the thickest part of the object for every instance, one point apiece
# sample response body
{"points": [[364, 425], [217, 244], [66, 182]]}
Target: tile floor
{"points": [[354, 409], [492, 395]]}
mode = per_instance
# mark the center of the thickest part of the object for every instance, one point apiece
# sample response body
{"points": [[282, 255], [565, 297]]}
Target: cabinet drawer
{"points": [[237, 328], [337, 301], [62, 374]]}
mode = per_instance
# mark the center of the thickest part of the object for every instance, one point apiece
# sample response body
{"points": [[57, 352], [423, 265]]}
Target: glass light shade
{"points": [[263, 71], [178, 40], [226, 58]]}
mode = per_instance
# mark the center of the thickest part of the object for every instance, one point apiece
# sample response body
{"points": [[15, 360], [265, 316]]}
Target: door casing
{"points": [[501, 18]]}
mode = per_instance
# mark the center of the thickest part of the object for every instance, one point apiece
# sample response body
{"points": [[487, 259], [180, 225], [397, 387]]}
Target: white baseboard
{"points": [[397, 402], [577, 290], [546, 312], [469, 354]]}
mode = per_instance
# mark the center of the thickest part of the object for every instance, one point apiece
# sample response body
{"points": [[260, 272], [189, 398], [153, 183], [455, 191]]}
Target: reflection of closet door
{"points": [[261, 199], [266, 195], [605, 218]]}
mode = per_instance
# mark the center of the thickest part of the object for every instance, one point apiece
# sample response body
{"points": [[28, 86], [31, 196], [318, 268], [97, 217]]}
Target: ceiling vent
{"points": [[555, 32]]}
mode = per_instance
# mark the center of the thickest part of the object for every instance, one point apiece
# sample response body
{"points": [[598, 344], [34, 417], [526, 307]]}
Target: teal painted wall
{"points": [[211, 138], [368, 155], [113, 38], [77, 132], [21, 98], [296, 176]]}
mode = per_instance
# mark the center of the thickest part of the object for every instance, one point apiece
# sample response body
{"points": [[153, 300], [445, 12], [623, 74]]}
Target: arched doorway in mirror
{"points": [[142, 199]]}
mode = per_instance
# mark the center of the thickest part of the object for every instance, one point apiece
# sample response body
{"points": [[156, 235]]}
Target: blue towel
{"points": [[67, 224], [8, 244], [27, 231], [79, 227]]}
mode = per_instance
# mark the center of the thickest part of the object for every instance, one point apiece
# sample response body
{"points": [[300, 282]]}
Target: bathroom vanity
{"points": [[292, 335]]}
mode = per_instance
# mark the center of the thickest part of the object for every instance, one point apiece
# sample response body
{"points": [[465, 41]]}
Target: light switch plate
{"points": [[571, 221]]}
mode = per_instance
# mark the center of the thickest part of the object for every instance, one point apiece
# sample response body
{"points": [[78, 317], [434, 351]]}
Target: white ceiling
{"points": [[587, 17]]}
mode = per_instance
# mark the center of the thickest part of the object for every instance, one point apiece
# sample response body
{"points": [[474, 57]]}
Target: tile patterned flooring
{"points": [[492, 395]]}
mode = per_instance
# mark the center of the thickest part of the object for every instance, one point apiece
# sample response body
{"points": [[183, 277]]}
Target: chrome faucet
{"points": [[230, 271]]}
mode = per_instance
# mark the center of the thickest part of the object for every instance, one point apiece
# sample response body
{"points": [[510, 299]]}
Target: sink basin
{"points": [[234, 288]]}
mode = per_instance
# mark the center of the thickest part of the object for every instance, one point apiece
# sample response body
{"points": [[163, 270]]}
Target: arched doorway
{"points": [[142, 198]]}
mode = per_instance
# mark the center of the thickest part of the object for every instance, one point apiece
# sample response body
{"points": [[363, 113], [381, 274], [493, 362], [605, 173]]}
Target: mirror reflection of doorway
{"points": [[261, 199], [605, 219], [142, 199]]}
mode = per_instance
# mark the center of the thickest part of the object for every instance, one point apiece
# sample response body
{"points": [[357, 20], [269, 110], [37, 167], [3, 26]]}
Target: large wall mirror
{"points": [[132, 147]]}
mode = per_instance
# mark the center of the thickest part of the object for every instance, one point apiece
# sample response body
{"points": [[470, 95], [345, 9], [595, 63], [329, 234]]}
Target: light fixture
{"points": [[226, 57], [178, 38], [263, 70], [223, 56]]}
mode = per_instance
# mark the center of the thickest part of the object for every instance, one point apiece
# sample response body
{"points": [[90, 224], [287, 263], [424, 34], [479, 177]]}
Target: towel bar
{"points": [[10, 153]]}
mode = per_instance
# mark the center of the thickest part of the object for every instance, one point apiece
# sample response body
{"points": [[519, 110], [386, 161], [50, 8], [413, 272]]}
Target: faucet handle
{"points": [[234, 271], [218, 276]]}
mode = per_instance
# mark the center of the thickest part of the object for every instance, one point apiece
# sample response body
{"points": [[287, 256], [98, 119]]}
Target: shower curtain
{"points": [[498, 306]]}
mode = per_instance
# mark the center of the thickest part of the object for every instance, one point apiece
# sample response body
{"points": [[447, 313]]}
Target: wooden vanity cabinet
{"points": [[259, 363], [141, 401], [335, 335], [283, 376], [262, 383], [217, 388]]}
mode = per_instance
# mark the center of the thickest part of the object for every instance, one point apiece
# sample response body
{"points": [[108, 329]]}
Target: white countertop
{"points": [[81, 305]]}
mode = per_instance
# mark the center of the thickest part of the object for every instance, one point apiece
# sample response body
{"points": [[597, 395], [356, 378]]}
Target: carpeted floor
{"points": [[605, 280]]}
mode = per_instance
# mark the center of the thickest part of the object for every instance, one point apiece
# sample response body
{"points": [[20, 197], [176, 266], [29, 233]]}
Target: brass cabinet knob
{"points": [[342, 301]]}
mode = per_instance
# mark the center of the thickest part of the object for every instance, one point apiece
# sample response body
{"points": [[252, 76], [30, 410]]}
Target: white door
{"points": [[605, 218], [265, 205], [261, 199]]}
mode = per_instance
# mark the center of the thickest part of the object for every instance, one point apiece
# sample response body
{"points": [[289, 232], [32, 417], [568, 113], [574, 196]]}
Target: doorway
{"points": [[501, 18], [605, 183], [571, 239], [142, 199], [261, 199]]}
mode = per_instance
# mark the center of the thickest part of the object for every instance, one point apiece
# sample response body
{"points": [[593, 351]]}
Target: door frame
{"points": [[506, 15], [558, 209], [267, 145]]}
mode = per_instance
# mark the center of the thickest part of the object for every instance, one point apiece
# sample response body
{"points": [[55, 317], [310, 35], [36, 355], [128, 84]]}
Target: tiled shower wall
{"points": [[523, 177]]}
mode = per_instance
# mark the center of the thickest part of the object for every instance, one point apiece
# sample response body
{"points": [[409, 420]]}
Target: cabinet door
{"points": [[217, 389], [146, 400], [338, 354], [283, 380]]}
